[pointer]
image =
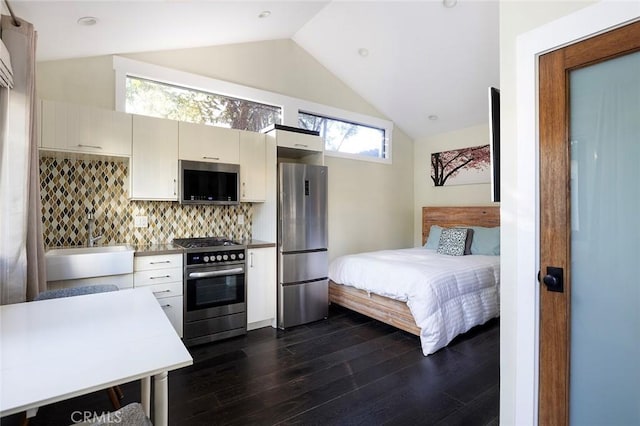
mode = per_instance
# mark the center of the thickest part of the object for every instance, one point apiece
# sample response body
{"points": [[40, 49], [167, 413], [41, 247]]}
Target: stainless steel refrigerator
{"points": [[303, 263]]}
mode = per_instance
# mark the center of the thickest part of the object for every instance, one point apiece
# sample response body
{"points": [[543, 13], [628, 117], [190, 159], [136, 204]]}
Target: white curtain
{"points": [[22, 271]]}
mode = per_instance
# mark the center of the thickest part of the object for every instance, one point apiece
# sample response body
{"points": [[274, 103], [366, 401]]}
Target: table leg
{"points": [[26, 415], [145, 395], [161, 399]]}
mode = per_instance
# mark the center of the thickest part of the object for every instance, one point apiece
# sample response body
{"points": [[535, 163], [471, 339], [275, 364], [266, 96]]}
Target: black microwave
{"points": [[208, 183]]}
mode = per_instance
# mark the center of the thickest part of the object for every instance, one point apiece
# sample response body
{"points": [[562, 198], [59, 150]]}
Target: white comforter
{"points": [[447, 295]]}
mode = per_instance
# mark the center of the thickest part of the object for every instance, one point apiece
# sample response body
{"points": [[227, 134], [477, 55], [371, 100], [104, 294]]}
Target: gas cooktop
{"points": [[204, 242]]}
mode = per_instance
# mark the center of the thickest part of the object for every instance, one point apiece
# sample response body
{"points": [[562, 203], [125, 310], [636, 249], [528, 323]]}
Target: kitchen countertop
{"points": [[170, 248], [154, 249], [257, 244]]}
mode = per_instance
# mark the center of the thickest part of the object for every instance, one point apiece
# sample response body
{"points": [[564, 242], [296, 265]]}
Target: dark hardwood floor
{"points": [[347, 370]]}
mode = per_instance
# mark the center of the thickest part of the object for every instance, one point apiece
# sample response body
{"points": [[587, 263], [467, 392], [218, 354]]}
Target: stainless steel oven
{"points": [[214, 290]]}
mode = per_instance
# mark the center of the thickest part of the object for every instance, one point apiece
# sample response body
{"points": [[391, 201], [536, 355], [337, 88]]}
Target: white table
{"points": [[57, 349]]}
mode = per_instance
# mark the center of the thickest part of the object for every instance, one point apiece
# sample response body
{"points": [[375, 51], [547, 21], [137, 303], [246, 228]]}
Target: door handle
{"points": [[233, 271], [554, 279]]}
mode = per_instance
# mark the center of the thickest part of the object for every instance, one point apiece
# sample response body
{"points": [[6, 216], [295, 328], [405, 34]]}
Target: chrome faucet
{"points": [[91, 240]]}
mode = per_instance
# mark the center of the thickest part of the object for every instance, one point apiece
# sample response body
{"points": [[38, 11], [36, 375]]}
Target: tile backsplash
{"points": [[70, 188]]}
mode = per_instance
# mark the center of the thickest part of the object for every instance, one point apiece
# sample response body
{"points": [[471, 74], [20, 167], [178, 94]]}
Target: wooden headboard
{"points": [[448, 217]]}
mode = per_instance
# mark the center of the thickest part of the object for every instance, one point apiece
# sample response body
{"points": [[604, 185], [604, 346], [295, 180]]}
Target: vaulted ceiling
{"points": [[425, 66]]}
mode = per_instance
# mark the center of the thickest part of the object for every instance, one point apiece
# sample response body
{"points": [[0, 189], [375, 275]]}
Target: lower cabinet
{"points": [[172, 307], [123, 282], [261, 287], [163, 273]]}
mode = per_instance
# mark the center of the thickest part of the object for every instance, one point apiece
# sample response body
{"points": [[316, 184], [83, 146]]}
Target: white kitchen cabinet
{"points": [[199, 142], [83, 129], [261, 287], [154, 159], [163, 274], [172, 307], [123, 281], [253, 159], [301, 141]]}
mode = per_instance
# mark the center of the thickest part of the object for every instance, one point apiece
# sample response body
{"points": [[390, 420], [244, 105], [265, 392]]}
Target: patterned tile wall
{"points": [[70, 188]]}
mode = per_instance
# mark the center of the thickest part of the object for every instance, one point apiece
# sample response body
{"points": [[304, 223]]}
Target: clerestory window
{"points": [[346, 137], [148, 89], [148, 97]]}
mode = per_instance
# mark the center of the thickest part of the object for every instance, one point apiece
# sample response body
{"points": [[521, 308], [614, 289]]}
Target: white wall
{"points": [[370, 204], [516, 18], [426, 194]]}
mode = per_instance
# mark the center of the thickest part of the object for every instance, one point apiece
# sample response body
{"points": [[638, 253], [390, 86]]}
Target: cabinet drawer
{"points": [[161, 291], [172, 307], [157, 276], [145, 263], [299, 141]]}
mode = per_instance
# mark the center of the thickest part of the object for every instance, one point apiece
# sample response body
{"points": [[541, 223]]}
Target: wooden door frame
{"points": [[555, 217], [519, 359]]}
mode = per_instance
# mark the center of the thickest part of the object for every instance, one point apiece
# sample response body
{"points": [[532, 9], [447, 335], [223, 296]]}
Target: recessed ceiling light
{"points": [[88, 20], [433, 117], [364, 52], [449, 3], [264, 14]]}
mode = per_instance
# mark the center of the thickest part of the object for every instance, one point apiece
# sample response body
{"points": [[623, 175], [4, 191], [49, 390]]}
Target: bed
{"points": [[477, 303]]}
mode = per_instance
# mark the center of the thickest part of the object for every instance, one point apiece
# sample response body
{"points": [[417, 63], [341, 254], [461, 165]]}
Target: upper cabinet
{"points": [[154, 160], [301, 141], [252, 166], [154, 146], [200, 142], [81, 129], [297, 145]]}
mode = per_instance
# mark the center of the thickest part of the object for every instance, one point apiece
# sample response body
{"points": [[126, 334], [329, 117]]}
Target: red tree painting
{"points": [[449, 164]]}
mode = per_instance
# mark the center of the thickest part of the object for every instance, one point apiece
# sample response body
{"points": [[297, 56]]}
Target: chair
{"points": [[75, 291], [115, 393], [130, 415]]}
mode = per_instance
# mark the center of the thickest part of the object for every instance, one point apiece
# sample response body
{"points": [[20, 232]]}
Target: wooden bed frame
{"points": [[397, 313]]}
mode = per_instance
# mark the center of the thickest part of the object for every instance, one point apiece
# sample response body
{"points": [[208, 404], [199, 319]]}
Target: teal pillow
{"points": [[485, 241], [434, 237]]}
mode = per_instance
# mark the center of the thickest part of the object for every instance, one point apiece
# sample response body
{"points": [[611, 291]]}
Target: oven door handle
{"points": [[232, 271]]}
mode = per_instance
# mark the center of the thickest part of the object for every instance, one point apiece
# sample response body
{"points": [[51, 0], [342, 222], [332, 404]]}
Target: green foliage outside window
{"points": [[161, 100], [346, 137]]}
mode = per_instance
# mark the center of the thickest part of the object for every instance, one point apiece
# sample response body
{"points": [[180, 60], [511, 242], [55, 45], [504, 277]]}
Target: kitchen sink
{"points": [[87, 262]]}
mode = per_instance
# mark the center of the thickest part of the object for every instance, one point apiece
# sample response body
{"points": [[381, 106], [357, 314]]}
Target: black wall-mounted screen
{"points": [[494, 133]]}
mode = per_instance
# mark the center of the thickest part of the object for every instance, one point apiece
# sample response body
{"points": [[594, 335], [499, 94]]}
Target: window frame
{"points": [[385, 149], [290, 106]]}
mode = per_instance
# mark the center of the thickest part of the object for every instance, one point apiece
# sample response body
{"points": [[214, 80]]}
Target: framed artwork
{"points": [[462, 166]]}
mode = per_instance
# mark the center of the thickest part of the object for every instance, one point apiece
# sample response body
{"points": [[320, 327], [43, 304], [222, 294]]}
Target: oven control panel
{"points": [[215, 256]]}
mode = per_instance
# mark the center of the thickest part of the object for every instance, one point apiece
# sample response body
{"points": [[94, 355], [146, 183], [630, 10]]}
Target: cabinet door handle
{"points": [[157, 263], [89, 146], [302, 145], [165, 306], [160, 292], [174, 187], [211, 158], [251, 260], [155, 278]]}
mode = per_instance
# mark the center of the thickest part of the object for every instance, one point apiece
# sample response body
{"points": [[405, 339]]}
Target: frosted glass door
{"points": [[605, 243]]}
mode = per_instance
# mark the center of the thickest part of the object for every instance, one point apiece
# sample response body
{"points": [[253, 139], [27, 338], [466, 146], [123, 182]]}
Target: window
{"points": [[149, 89], [162, 100], [346, 137]]}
